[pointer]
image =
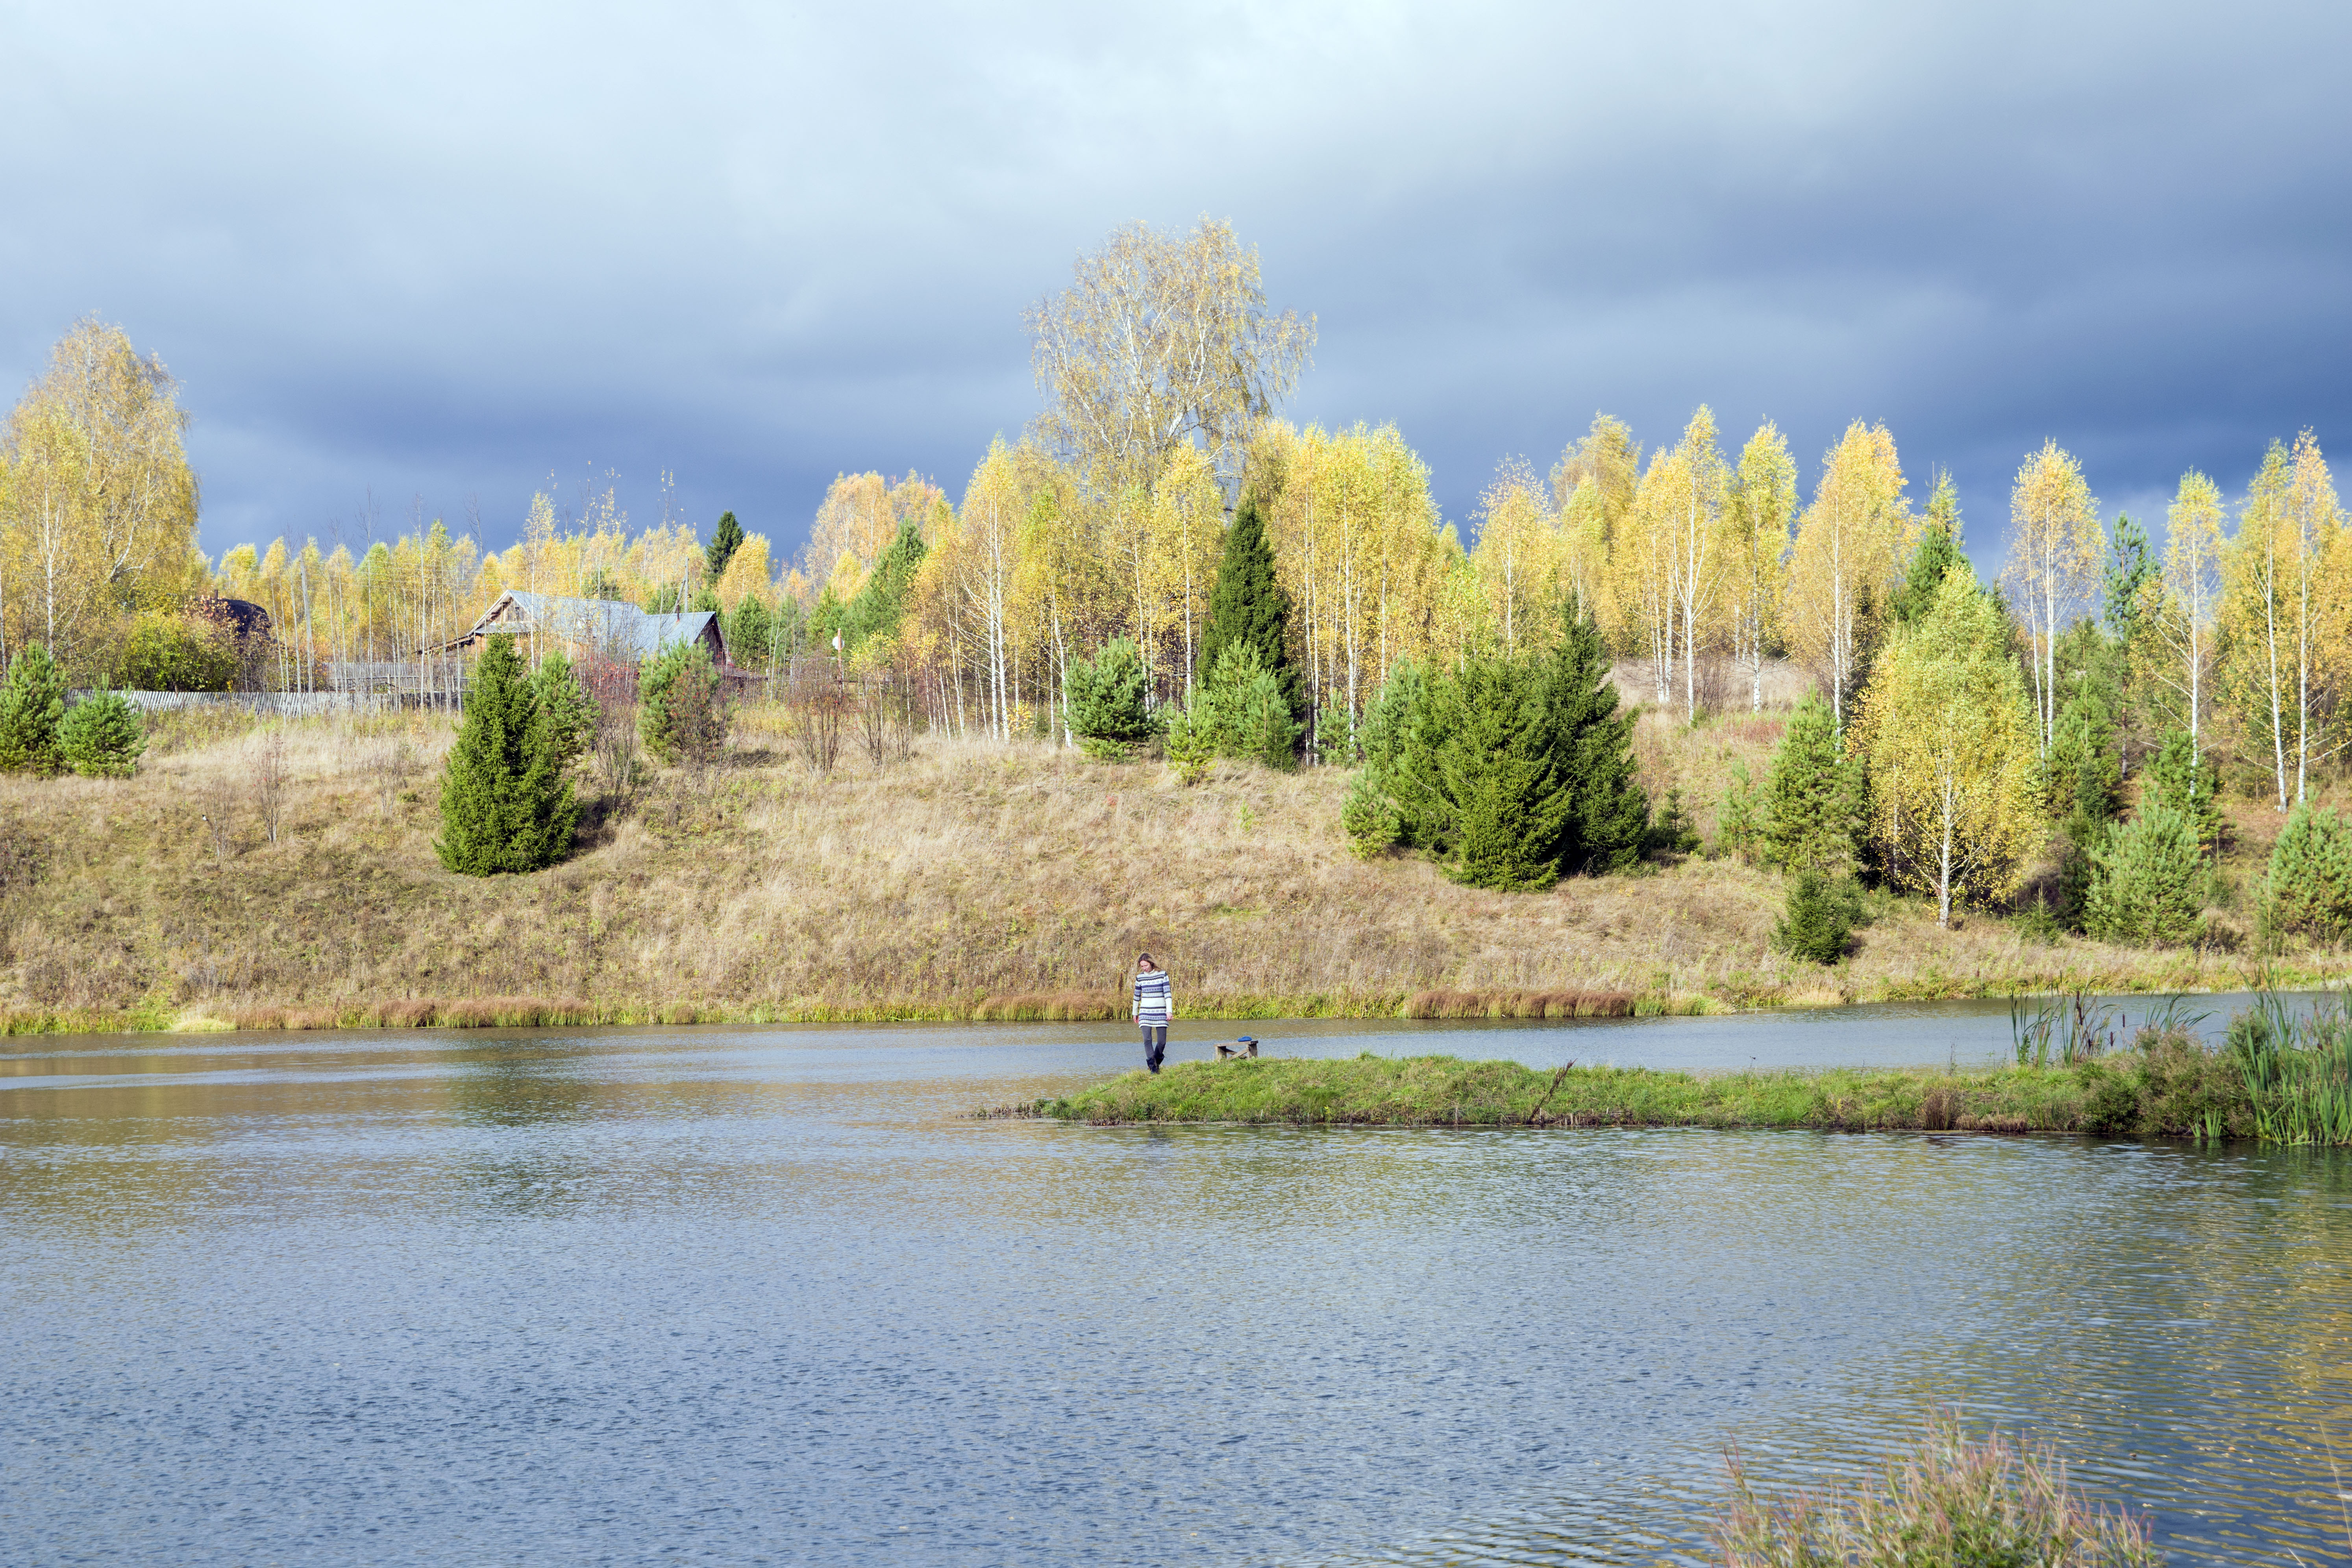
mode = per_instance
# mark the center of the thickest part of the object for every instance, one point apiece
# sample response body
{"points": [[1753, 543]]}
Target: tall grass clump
{"points": [[1947, 1500], [2298, 1071]]}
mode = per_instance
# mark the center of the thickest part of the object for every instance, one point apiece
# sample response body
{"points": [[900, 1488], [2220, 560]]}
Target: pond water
{"points": [[745, 1296]]}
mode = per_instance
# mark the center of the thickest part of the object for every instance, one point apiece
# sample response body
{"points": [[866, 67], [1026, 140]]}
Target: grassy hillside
{"points": [[972, 880]]}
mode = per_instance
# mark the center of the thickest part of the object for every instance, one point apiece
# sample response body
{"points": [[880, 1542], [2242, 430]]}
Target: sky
{"points": [[432, 257]]}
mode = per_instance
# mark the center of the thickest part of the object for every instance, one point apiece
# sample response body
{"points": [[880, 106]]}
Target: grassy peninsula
{"points": [[2171, 1086], [972, 879]]}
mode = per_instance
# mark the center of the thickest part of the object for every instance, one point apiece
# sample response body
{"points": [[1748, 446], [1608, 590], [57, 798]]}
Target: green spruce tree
{"points": [[1247, 605], [1818, 923], [1241, 709], [1508, 795], [1609, 821], [1809, 795], [32, 705], [505, 802], [725, 541]]}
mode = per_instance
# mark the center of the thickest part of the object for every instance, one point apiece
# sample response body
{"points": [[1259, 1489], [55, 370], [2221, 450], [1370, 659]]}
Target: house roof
{"points": [[599, 623]]}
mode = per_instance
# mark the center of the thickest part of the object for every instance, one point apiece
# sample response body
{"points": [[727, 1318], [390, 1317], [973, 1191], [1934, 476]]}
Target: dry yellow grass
{"points": [[973, 881]]}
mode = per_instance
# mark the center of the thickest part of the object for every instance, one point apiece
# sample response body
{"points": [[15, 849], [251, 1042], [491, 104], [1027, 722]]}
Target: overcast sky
{"points": [[446, 252]]}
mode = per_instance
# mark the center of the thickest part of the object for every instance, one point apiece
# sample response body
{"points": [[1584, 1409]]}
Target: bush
{"points": [[32, 705], [2309, 887], [1110, 701], [184, 650], [103, 736], [1818, 926], [505, 803], [2147, 880]]}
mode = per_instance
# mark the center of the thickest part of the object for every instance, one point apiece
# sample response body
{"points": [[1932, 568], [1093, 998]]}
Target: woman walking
{"points": [[1153, 1007]]}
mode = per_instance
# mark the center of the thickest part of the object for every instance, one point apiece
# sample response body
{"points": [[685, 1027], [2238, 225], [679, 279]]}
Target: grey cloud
{"points": [[450, 251]]}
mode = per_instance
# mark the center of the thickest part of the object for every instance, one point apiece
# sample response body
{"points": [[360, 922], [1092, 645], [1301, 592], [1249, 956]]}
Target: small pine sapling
{"points": [[32, 706], [103, 736]]}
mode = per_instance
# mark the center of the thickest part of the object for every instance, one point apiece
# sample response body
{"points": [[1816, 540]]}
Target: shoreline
{"points": [[1432, 1006]]}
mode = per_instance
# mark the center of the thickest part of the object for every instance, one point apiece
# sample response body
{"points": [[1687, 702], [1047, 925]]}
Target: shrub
{"points": [[2309, 886], [184, 650], [1818, 926], [505, 803], [103, 736], [32, 705], [2147, 879], [1110, 700]]}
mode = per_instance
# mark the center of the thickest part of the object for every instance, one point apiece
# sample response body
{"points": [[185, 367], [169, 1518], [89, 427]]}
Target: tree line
{"points": [[1086, 555]]}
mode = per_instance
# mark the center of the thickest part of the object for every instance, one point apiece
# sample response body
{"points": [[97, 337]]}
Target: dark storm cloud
{"points": [[451, 253]]}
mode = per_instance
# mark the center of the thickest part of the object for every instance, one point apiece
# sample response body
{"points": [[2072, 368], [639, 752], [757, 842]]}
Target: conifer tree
{"points": [[1808, 818], [1240, 710], [2147, 883], [1247, 605], [1610, 814], [32, 705], [725, 540], [103, 736], [564, 707], [1938, 552], [2309, 889], [505, 803], [879, 603], [1509, 772], [2190, 781], [1510, 795], [1110, 700]]}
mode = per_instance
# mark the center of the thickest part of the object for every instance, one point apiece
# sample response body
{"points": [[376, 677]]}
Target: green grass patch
{"points": [[2167, 1087]]}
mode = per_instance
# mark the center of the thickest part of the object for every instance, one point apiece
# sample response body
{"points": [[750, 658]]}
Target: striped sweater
{"points": [[1154, 1004]]}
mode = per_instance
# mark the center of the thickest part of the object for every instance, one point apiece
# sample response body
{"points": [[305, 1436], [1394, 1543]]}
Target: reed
{"points": [[1949, 1500], [2298, 1071]]}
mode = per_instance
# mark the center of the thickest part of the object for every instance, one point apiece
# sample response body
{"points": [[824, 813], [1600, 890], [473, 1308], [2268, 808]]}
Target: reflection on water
{"points": [[774, 1295]]}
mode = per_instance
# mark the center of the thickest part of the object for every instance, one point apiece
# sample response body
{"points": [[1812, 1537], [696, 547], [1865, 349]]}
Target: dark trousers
{"points": [[1155, 1044]]}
